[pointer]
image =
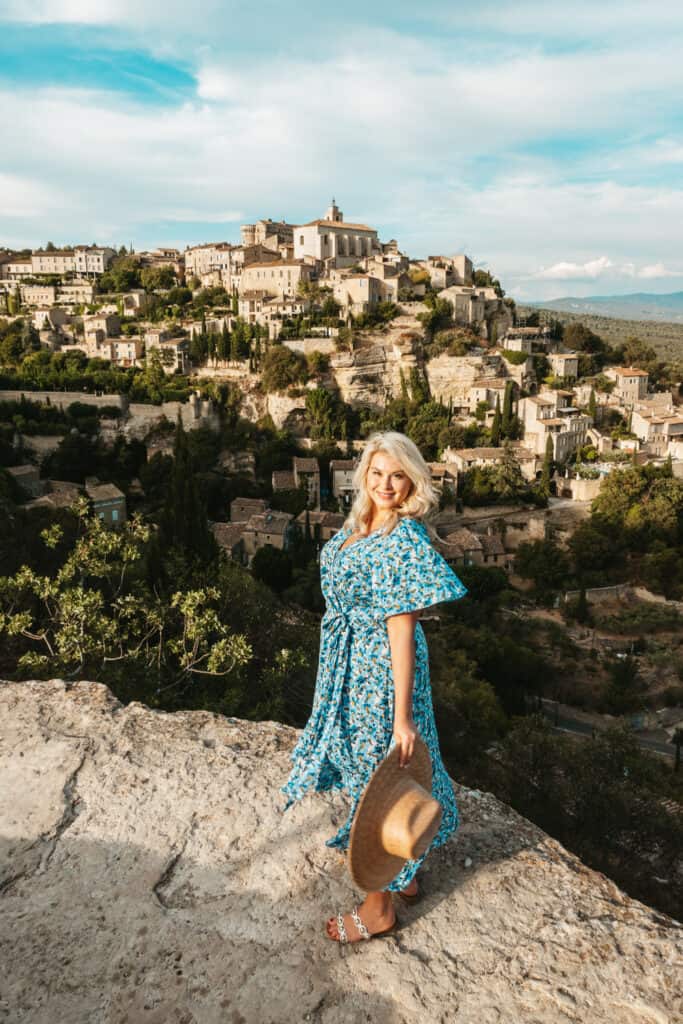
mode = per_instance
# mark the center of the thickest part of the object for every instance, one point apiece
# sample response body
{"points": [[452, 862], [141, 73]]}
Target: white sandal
{"points": [[362, 930]]}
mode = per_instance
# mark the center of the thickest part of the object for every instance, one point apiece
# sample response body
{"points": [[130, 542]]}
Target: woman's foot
{"points": [[377, 914]]}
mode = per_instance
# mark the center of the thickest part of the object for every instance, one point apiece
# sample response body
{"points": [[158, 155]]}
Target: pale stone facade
{"points": [[332, 239], [564, 364], [341, 477], [174, 352], [38, 294], [359, 293], [550, 414], [84, 260], [465, 459], [631, 383], [76, 291], [279, 279]]}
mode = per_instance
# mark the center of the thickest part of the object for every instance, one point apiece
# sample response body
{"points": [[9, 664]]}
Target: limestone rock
{"points": [[148, 875]]}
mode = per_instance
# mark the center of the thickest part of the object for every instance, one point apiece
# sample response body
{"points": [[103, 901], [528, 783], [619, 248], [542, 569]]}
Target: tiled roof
{"points": [[342, 464], [103, 492], [227, 534], [464, 539], [306, 465], [283, 479], [271, 521], [336, 224], [630, 371]]}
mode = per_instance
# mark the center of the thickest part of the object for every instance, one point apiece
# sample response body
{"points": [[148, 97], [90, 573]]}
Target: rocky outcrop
{"points": [[148, 874]]}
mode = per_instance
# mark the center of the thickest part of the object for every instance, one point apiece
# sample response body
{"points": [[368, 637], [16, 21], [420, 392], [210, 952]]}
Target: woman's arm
{"points": [[401, 630]]}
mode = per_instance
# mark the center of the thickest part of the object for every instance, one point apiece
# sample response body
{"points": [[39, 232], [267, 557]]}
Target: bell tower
{"points": [[333, 212]]}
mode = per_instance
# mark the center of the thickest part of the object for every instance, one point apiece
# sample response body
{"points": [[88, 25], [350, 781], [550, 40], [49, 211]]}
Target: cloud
{"points": [[588, 271], [658, 270]]}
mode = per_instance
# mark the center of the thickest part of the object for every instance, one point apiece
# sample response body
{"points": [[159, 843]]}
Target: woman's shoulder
{"points": [[411, 531]]}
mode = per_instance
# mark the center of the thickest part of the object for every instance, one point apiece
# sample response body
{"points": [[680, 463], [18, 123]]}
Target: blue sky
{"points": [[546, 143]]}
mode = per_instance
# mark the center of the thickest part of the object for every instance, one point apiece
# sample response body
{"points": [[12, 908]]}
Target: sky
{"points": [[545, 142]]}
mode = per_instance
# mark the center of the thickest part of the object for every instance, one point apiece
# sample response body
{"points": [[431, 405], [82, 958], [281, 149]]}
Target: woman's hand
{"points": [[405, 735]]}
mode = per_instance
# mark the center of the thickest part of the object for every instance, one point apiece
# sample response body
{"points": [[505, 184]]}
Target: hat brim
{"points": [[370, 865]]}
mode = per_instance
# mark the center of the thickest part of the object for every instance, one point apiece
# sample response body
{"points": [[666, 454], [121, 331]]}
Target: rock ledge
{"points": [[148, 875]]}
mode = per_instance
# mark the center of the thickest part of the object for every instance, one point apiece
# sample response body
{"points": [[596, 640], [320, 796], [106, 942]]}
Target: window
{"points": [[114, 515], [301, 239]]}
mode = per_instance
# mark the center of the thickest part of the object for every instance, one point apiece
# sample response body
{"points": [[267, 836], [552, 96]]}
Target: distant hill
{"points": [[637, 306]]}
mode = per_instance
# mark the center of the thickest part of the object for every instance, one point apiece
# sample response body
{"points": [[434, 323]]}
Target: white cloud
{"points": [[658, 270], [590, 270]]}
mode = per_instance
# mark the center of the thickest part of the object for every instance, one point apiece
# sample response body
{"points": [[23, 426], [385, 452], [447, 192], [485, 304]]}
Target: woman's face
{"points": [[388, 483]]}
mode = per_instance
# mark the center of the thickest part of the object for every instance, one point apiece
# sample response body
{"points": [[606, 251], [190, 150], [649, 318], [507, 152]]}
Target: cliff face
{"points": [[147, 874]]}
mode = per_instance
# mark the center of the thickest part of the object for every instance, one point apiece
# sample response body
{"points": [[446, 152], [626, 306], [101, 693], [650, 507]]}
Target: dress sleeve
{"points": [[412, 574]]}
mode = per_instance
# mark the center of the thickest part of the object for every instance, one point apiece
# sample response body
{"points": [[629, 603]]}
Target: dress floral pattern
{"points": [[350, 729]]}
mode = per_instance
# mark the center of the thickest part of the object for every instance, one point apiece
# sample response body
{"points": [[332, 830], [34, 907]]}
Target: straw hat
{"points": [[396, 819]]}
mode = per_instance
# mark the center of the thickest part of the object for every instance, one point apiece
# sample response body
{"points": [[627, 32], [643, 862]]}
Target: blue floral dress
{"points": [[350, 729]]}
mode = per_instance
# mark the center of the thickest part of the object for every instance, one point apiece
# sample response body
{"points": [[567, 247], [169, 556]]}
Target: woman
{"points": [[373, 688]]}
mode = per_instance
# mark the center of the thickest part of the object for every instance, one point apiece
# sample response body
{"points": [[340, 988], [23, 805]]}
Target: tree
{"points": [[547, 466], [153, 278], [273, 567], [283, 368], [507, 421], [183, 523], [592, 405], [544, 563], [495, 426], [439, 315]]}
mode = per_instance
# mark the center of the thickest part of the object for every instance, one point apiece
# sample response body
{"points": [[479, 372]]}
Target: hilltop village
{"points": [[178, 438]]}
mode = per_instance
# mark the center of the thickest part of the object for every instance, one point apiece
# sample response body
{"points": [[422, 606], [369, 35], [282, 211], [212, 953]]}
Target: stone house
{"points": [[108, 502], [465, 459], [323, 524], [269, 527], [38, 294], [278, 280], [28, 478], [125, 351], [99, 326], [631, 383], [230, 538], [341, 477], [174, 352], [549, 414], [444, 475], [242, 509], [76, 291], [303, 470], [359, 293], [564, 364]]}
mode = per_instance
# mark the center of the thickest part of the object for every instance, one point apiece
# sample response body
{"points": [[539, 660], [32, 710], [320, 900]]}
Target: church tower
{"points": [[333, 212]]}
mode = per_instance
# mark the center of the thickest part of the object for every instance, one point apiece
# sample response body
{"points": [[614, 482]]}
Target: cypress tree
{"points": [[183, 523], [547, 466], [592, 405], [582, 610], [495, 426], [506, 425]]}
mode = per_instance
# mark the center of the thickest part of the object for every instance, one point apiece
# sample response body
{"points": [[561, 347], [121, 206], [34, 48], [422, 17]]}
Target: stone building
{"points": [[341, 477], [549, 414], [333, 239], [280, 279], [631, 383], [465, 459], [108, 502]]}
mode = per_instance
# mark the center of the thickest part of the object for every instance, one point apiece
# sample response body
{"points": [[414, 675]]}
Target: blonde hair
{"points": [[422, 499]]}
